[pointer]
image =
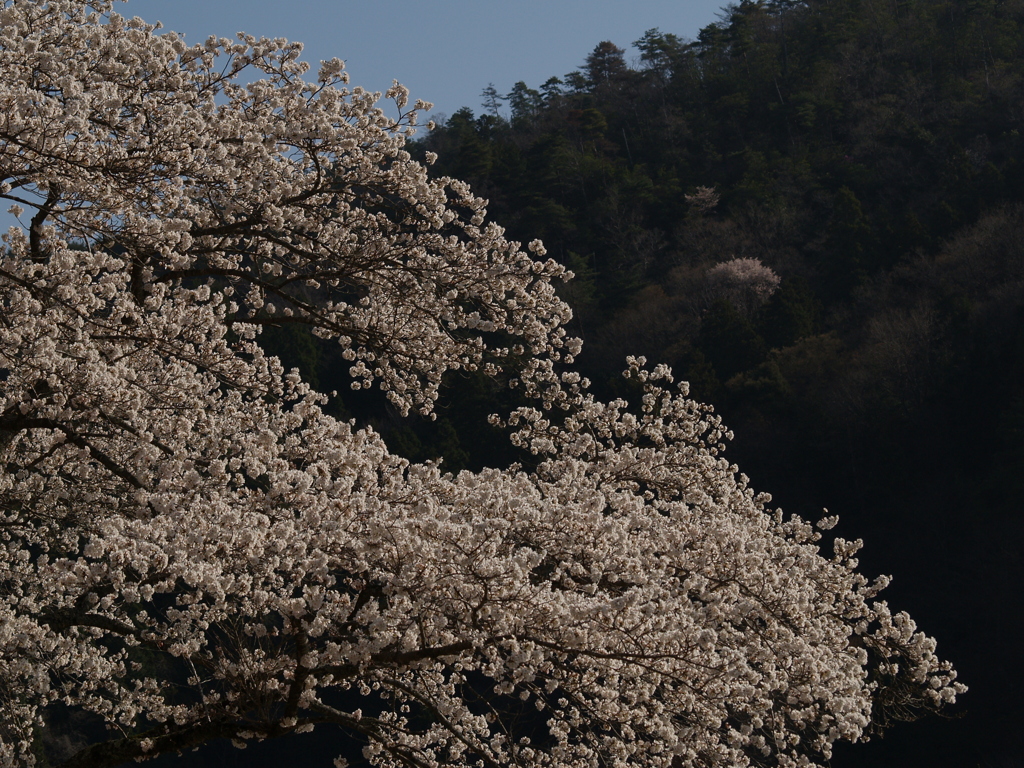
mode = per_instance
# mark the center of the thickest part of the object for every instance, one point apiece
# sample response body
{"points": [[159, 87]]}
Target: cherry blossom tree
{"points": [[744, 282], [195, 550]]}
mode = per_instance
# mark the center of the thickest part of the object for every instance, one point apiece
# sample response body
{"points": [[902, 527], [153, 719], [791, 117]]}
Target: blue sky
{"points": [[446, 51]]}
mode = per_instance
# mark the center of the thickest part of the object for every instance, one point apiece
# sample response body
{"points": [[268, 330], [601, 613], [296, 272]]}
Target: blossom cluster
{"points": [[194, 549], [744, 282]]}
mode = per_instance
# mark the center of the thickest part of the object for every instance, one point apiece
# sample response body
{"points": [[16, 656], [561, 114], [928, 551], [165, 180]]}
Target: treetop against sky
{"points": [[446, 53]]}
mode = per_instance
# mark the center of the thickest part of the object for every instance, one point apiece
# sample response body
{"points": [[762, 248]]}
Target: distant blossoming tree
{"points": [[194, 550], [744, 282], [703, 200]]}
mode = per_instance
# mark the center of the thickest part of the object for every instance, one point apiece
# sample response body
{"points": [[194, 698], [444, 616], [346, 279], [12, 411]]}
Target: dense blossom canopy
{"points": [[195, 550]]}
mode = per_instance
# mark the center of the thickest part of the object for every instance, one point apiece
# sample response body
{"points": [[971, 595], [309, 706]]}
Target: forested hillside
{"points": [[869, 154]]}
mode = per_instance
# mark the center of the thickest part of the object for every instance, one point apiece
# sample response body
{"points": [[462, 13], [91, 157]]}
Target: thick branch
{"points": [[113, 753], [398, 658]]}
